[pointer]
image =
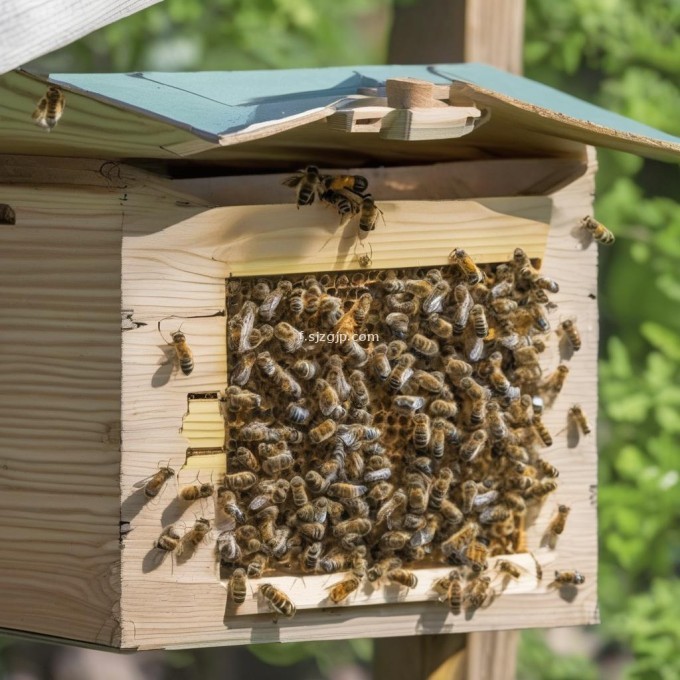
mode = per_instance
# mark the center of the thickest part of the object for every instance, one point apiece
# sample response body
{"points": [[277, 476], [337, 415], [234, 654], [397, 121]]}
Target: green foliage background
{"points": [[625, 56]]}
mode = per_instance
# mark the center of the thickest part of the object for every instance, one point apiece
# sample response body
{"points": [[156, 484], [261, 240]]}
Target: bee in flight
{"points": [[50, 108], [598, 231]]}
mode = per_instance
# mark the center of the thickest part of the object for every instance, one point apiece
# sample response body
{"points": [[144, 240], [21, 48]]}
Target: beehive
{"points": [[87, 419]]}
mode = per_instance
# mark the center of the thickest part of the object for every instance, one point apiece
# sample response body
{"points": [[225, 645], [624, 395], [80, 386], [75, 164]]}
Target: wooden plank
{"points": [[32, 28], [425, 657], [180, 270], [60, 414], [492, 655], [494, 33], [434, 182], [60, 390]]}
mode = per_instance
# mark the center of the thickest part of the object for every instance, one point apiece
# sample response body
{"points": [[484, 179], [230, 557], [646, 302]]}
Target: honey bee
{"points": [[553, 385], [183, 352], [257, 565], [309, 559], [246, 459], [542, 431], [395, 349], [394, 540], [509, 569], [467, 266], [421, 430], [457, 370], [308, 183], [442, 408], [277, 463], [424, 535], [346, 202], [547, 469], [314, 531], [440, 327], [557, 524], [424, 346], [382, 567], [403, 577], [477, 592], [473, 445], [343, 589], [460, 539], [227, 547], [153, 486], [328, 400], [323, 431], [194, 536], [476, 554], [369, 212], [290, 338], [450, 589], [359, 393], [577, 415], [240, 374], [305, 369], [503, 306], [434, 302], [50, 109], [195, 491], [239, 399], [520, 259], [540, 489], [344, 490], [574, 578], [493, 514], [408, 402], [440, 488], [359, 525], [168, 540], [226, 502], [469, 493], [440, 429], [237, 586], [355, 183], [240, 481], [398, 324], [401, 373], [277, 601], [598, 231], [479, 322], [380, 492]]}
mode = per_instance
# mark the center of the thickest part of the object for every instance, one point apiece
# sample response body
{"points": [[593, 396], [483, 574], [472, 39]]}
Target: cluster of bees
{"points": [[418, 448], [345, 193], [379, 422]]}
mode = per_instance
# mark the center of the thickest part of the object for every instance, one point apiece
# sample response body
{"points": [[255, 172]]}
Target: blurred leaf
{"points": [[662, 338], [631, 408], [630, 462]]}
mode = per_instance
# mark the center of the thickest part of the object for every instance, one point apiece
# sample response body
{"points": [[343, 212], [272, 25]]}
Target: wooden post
{"points": [[447, 31]]}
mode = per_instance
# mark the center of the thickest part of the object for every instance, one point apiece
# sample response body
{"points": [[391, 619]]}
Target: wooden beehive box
{"points": [[150, 193]]}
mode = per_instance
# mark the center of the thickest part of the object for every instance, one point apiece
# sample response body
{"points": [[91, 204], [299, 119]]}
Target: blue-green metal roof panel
{"points": [[217, 103]]}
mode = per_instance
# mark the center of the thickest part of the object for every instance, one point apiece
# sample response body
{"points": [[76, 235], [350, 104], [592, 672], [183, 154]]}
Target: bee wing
{"points": [[142, 482], [292, 181]]}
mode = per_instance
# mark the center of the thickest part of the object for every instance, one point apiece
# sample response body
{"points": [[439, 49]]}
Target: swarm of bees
{"points": [[345, 193], [381, 421]]}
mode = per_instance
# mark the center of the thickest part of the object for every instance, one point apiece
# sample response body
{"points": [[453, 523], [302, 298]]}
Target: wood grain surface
{"points": [[179, 271]]}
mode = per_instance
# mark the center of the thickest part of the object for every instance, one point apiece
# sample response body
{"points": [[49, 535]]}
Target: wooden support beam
{"points": [[423, 657], [445, 31]]}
